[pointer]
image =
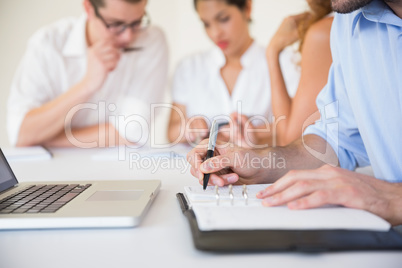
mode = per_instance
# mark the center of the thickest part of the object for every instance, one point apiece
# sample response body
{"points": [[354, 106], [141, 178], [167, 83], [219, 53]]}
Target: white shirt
{"points": [[56, 60], [199, 86]]}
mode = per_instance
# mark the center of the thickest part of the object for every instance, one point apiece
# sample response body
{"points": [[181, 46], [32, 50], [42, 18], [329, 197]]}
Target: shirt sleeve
{"points": [[337, 124], [31, 87]]}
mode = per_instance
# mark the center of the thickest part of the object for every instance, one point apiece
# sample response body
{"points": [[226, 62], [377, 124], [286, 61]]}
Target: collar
{"points": [[379, 12], [247, 59], [250, 56], [76, 44]]}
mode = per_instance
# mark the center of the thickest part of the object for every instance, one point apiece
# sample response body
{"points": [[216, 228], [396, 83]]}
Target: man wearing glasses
{"points": [[79, 77]]}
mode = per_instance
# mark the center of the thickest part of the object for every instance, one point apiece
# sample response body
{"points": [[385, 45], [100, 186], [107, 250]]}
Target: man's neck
{"points": [[396, 6]]}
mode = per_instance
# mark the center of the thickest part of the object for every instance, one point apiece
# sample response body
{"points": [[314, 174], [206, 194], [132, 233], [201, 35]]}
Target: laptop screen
{"points": [[7, 178]]}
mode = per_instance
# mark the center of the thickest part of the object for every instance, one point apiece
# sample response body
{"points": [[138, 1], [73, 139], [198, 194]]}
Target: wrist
{"points": [[263, 139], [395, 205], [273, 51], [272, 165], [87, 87]]}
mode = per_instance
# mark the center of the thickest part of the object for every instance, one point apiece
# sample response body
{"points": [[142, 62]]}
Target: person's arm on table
{"points": [[102, 135], [303, 189], [305, 182], [238, 165]]}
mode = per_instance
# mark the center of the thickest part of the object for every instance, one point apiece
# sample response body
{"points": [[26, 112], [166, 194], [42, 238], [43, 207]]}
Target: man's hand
{"points": [[230, 165], [305, 189], [103, 58]]}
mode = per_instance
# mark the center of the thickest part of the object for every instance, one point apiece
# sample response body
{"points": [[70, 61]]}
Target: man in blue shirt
{"points": [[360, 125]]}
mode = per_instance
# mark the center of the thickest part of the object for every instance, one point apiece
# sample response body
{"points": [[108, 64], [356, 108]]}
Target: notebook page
{"points": [[281, 218], [27, 153], [253, 216]]}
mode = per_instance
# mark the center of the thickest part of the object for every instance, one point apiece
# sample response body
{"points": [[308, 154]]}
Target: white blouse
{"points": [[199, 86]]}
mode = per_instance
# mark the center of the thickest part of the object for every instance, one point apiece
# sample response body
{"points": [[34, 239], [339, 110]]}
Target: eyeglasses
{"points": [[119, 28]]}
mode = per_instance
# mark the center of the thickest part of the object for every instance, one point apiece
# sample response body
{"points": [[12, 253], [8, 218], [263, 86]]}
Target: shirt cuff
{"points": [[345, 158]]}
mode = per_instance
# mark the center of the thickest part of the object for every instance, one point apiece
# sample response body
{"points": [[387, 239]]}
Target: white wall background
{"points": [[19, 19]]}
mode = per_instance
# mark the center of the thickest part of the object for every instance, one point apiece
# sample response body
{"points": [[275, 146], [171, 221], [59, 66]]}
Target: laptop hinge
{"points": [[9, 189]]}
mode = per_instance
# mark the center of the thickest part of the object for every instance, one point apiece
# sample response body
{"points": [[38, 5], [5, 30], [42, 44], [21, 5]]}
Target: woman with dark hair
{"points": [[231, 77], [312, 29]]}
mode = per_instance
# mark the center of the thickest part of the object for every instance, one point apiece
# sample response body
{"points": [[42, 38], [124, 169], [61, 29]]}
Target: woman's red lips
{"points": [[222, 44]]}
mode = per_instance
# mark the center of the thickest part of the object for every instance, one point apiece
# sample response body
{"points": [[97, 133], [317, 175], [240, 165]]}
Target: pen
{"points": [[213, 134]]}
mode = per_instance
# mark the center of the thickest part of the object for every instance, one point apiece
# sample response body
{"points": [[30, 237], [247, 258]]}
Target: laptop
{"points": [[72, 204]]}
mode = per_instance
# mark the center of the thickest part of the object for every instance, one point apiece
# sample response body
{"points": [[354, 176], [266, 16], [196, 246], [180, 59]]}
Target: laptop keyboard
{"points": [[41, 198]]}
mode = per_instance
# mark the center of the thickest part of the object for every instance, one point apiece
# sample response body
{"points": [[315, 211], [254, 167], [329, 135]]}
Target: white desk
{"points": [[162, 240]]}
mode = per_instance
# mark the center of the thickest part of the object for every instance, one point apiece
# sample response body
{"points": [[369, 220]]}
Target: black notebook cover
{"points": [[283, 240]]}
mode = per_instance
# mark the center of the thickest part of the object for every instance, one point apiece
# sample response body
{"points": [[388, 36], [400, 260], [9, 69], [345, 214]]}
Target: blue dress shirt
{"points": [[361, 106]]}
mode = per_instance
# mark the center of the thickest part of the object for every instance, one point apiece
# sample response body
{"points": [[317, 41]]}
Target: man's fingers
{"points": [[314, 200], [294, 192], [110, 59], [111, 65], [217, 163], [280, 185], [196, 159], [213, 180], [196, 155], [221, 180], [108, 48], [110, 56], [102, 44], [291, 178], [230, 178]]}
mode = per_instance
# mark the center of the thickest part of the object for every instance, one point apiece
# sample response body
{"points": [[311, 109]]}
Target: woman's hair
{"points": [[241, 4], [318, 10]]}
